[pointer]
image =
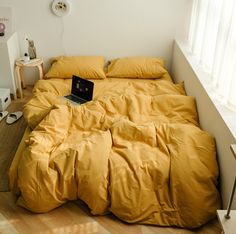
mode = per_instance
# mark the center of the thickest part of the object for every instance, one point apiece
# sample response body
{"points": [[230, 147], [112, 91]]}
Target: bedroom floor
{"points": [[73, 217]]}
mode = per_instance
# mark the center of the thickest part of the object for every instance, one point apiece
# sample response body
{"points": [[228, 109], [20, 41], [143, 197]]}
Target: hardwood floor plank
{"points": [[6, 226], [74, 217], [10, 138]]}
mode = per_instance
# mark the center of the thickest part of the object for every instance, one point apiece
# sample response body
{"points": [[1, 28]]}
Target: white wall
{"points": [[112, 28], [210, 121]]}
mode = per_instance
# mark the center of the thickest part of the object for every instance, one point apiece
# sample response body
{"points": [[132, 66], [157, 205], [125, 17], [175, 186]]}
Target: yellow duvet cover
{"points": [[136, 150]]}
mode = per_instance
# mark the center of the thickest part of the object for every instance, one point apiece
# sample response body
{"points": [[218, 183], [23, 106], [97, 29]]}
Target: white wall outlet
{"points": [[61, 7]]}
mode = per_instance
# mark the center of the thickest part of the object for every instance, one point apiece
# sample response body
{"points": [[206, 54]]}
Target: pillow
{"points": [[88, 67], [136, 67]]}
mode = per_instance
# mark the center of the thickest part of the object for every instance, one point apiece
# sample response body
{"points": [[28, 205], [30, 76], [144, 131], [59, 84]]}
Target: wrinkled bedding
{"points": [[136, 151]]}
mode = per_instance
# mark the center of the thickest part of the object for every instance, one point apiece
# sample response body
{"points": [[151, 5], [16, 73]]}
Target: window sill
{"points": [[228, 115]]}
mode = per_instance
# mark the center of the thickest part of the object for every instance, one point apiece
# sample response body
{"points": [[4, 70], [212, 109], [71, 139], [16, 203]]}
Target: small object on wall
{"points": [[31, 49], [5, 20], [60, 7], [2, 29]]}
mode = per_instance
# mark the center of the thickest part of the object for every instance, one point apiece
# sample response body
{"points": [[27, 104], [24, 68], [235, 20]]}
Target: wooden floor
{"points": [[73, 217], [10, 137]]}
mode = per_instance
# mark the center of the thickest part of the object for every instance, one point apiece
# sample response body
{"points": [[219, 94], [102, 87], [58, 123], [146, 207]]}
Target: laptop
{"points": [[81, 90]]}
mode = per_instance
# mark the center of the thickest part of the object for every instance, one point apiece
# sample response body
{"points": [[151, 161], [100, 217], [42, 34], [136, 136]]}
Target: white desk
{"points": [[228, 225]]}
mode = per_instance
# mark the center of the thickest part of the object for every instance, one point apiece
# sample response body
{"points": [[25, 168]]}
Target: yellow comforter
{"points": [[135, 151]]}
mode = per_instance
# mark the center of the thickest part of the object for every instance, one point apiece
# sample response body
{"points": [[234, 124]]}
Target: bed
{"points": [[136, 150]]}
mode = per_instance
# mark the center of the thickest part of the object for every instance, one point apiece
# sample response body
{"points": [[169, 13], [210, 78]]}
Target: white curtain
{"points": [[213, 41]]}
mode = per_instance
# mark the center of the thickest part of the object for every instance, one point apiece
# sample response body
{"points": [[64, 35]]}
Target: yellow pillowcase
{"points": [[136, 67], [88, 67]]}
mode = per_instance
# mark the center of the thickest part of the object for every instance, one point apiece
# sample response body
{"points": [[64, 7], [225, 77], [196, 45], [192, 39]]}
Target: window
{"points": [[213, 41]]}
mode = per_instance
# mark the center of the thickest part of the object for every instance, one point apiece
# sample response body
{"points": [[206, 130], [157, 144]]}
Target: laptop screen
{"points": [[82, 88]]}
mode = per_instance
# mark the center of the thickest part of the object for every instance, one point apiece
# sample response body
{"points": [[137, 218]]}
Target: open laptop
{"points": [[81, 90]]}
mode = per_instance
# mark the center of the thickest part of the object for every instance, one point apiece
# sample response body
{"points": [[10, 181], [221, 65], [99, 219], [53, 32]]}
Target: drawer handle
{"points": [[6, 99]]}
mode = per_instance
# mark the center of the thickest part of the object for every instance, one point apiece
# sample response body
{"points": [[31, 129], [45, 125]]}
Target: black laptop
{"points": [[81, 90]]}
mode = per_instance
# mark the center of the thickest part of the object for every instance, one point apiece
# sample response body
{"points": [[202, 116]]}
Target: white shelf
{"points": [[9, 52], [228, 225]]}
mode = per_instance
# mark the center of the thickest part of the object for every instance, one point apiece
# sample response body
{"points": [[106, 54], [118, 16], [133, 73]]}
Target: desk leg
{"points": [[14, 96], [40, 68], [227, 216], [18, 78], [22, 78]]}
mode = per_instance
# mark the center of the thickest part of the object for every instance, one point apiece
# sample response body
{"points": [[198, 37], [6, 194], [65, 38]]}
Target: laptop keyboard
{"points": [[75, 99]]}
